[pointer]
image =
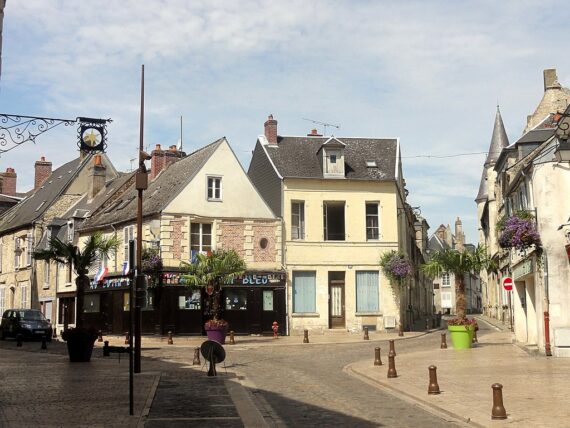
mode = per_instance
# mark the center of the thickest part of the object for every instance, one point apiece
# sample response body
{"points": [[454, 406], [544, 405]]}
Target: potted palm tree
{"points": [[459, 263], [79, 340], [212, 271]]}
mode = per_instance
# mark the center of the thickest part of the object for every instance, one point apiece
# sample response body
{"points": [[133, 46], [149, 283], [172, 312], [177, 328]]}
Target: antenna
{"points": [[324, 124], [132, 160], [180, 148]]}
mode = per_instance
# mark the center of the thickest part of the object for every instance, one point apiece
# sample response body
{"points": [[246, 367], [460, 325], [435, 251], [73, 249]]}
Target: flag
{"points": [[101, 274], [126, 268]]}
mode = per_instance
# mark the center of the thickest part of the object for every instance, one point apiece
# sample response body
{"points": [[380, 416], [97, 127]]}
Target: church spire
{"points": [[499, 140]]}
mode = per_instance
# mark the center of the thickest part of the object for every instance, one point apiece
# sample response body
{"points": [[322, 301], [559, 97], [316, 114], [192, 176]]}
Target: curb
{"points": [[148, 403], [423, 404]]}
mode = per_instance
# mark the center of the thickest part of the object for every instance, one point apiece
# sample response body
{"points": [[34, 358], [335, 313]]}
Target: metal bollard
{"points": [[498, 411], [100, 336], [443, 341], [433, 387], [196, 360], [392, 348], [44, 342], [127, 338], [306, 336], [232, 338], [427, 324], [392, 366], [170, 341], [54, 333], [366, 333], [18, 340], [401, 330], [106, 352], [377, 359], [475, 337]]}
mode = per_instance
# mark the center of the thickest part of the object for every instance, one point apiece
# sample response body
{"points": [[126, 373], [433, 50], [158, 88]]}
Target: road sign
{"points": [[508, 283]]}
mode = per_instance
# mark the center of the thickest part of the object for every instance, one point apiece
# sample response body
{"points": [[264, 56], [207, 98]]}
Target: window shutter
{"points": [[367, 291]]}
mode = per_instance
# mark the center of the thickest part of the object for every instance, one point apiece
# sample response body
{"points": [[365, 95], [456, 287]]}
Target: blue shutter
{"points": [[367, 291], [304, 293]]}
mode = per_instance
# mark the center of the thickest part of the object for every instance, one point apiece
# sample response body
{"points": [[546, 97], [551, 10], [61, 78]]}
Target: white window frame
{"points": [[201, 238], [298, 211], [17, 252], [29, 248], [47, 274], [214, 185], [372, 302], [377, 215], [445, 279], [70, 231], [24, 296]]}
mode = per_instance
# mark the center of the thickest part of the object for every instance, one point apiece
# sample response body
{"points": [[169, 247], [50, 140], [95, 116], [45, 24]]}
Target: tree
{"points": [[213, 270], [459, 263], [80, 260]]}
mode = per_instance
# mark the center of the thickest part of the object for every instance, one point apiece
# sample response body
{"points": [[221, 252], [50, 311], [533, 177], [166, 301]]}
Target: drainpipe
{"points": [[547, 348], [115, 255]]}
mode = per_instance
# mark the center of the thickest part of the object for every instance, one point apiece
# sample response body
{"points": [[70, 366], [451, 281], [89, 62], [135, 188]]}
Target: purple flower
{"points": [[520, 234]]}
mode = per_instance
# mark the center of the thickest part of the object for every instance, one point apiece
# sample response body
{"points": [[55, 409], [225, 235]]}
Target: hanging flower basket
{"points": [[395, 266], [519, 232]]}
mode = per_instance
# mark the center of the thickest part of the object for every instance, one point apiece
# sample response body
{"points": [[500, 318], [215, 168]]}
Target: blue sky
{"points": [[430, 73]]}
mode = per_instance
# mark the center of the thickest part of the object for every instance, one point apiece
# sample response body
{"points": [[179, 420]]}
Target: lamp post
{"points": [[562, 152]]}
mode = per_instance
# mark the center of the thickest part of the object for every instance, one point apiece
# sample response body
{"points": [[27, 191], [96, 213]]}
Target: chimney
{"points": [[9, 182], [314, 133], [550, 79], [43, 171], [459, 235], [440, 232], [271, 130], [98, 176], [172, 155], [157, 162]]}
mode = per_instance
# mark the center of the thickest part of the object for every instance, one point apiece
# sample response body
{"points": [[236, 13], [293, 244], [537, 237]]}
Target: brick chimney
{"points": [[43, 171], [98, 176], [459, 235], [271, 130], [8, 182], [551, 79], [157, 161], [314, 133]]}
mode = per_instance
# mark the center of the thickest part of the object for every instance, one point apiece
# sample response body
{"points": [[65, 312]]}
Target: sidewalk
{"points": [[534, 388]]}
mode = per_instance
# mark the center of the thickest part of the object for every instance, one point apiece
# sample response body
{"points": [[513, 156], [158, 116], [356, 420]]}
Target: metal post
{"points": [[392, 348], [131, 329], [44, 342], [306, 336], [366, 337], [392, 366], [511, 310], [170, 341], [196, 360], [443, 341], [498, 411], [433, 387], [232, 338], [377, 359], [100, 336]]}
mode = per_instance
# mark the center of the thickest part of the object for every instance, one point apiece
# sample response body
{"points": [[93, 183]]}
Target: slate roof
{"points": [[298, 157], [35, 205], [165, 187], [499, 139], [536, 136], [483, 191]]}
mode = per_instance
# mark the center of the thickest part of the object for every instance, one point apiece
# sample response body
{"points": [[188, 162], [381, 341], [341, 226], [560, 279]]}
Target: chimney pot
{"points": [[8, 181], [97, 160], [157, 147], [42, 169], [551, 79], [314, 133], [173, 148]]}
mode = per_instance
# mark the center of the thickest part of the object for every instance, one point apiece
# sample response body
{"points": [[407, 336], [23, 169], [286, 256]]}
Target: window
{"points": [[29, 248], [332, 158], [445, 280], [17, 251], [66, 310], [333, 221], [190, 300], [372, 222], [367, 296], [91, 303], [200, 238], [298, 220], [47, 271], [304, 292], [24, 294], [128, 235], [267, 300], [70, 231], [214, 188], [235, 300], [2, 299], [446, 299]]}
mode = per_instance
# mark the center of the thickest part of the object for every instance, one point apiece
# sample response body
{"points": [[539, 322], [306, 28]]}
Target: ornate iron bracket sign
{"points": [[17, 130]]}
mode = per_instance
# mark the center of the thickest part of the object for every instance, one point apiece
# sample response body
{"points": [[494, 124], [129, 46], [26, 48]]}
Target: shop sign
{"points": [[260, 279], [109, 284], [522, 269]]}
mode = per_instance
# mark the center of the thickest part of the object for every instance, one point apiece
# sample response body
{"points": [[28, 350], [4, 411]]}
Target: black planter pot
{"points": [[80, 344]]}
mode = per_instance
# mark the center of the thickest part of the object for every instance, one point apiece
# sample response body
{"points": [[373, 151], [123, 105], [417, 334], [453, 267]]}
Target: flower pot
{"points": [[461, 335], [80, 345], [217, 333]]}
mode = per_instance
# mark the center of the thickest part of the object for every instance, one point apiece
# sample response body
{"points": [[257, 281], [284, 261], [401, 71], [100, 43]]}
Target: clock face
{"points": [[91, 137]]}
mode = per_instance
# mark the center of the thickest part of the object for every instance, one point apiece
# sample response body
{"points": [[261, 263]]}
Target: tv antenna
{"points": [[323, 124], [132, 160]]}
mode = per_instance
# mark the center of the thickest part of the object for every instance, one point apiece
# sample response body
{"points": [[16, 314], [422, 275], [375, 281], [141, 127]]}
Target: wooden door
{"points": [[337, 318]]}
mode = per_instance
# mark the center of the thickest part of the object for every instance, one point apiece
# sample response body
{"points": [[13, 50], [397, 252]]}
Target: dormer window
{"points": [[332, 152]]}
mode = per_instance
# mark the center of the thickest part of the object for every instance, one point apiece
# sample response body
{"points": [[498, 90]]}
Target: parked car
{"points": [[30, 323]]}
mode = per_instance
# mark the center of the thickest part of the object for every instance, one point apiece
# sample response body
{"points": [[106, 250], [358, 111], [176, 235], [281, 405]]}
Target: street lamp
{"points": [[562, 152]]}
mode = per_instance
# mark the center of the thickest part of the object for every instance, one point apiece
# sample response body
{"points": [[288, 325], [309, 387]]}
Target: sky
{"points": [[430, 73]]}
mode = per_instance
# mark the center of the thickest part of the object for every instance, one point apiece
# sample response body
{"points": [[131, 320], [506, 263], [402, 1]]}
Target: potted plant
{"points": [[459, 263], [80, 339], [211, 271]]}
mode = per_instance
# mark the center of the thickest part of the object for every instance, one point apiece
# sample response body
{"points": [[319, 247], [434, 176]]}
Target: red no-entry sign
{"points": [[508, 283]]}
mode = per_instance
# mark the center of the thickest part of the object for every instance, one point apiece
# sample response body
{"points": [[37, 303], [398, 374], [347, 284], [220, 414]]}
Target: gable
{"points": [[239, 197]]}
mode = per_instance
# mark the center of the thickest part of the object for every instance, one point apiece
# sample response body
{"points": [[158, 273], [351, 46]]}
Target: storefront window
{"points": [[236, 300], [126, 301], [91, 303], [190, 300], [267, 300], [66, 310]]}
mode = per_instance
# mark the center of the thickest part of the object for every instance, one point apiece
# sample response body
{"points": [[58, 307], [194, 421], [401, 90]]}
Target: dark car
{"points": [[30, 323]]}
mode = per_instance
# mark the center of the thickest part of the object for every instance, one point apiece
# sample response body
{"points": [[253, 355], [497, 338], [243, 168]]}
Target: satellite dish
{"points": [[213, 352]]}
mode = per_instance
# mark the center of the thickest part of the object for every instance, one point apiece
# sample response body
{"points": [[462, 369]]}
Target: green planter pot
{"points": [[461, 335]]}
